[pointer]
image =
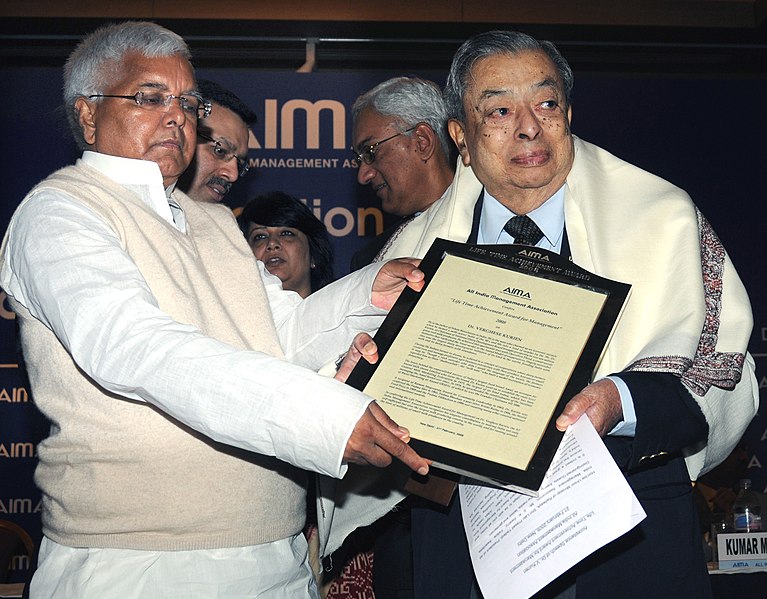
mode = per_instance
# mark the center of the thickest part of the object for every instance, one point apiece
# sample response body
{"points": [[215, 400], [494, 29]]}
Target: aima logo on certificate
{"points": [[517, 292]]}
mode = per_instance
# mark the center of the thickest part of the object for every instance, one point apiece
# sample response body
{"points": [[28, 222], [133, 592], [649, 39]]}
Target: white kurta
{"points": [[76, 247]]}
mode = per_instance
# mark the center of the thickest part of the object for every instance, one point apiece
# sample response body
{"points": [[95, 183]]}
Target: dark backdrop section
{"points": [[37, 139], [702, 134]]}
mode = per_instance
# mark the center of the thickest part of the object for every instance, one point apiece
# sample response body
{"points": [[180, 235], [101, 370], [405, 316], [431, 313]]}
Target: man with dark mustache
{"points": [[222, 145]]}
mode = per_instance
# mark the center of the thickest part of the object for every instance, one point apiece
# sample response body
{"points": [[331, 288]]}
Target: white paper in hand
{"points": [[524, 543]]}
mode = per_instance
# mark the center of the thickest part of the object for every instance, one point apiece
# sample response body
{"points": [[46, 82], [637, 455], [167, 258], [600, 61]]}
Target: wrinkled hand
{"points": [[393, 278], [363, 346], [600, 401], [377, 439]]}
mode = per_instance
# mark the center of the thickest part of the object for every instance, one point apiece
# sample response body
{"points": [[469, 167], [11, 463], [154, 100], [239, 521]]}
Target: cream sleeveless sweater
{"points": [[119, 473]]}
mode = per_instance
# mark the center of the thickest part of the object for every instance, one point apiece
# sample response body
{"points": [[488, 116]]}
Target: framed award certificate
{"points": [[479, 363]]}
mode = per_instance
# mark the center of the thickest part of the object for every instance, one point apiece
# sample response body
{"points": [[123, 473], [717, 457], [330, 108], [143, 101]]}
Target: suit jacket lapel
{"points": [[473, 236]]}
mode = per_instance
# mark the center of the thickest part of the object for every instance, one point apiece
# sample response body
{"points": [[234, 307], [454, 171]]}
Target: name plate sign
{"points": [[742, 550]]}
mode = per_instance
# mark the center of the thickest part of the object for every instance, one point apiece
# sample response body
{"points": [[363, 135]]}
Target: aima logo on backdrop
{"points": [[286, 124], [18, 450], [20, 505]]}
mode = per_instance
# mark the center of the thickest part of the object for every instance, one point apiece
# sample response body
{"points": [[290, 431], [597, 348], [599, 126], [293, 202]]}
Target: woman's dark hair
{"points": [[278, 209]]}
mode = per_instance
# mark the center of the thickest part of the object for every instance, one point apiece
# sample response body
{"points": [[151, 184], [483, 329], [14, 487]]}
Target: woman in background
{"points": [[291, 242]]}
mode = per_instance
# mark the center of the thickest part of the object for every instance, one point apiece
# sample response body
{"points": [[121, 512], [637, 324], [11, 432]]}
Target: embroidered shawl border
{"points": [[708, 367]]}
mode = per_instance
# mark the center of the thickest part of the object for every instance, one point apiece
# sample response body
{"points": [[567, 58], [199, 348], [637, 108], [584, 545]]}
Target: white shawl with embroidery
{"points": [[688, 312]]}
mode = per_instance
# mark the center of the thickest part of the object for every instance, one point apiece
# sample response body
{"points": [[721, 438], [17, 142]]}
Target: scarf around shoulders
{"points": [[688, 313]]}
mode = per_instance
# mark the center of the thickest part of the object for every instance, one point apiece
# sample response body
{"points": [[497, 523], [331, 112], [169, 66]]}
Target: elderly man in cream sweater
{"points": [[174, 369]]}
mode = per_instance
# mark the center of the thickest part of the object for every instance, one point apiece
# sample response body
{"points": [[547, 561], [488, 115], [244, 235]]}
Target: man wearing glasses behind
{"points": [[222, 145], [403, 151], [174, 370]]}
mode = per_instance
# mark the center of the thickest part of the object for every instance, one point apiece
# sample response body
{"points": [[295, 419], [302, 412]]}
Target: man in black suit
{"points": [[675, 388], [403, 151]]}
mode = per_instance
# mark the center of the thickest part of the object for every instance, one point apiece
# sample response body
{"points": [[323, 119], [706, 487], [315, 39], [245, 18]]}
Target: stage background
{"points": [[705, 134]]}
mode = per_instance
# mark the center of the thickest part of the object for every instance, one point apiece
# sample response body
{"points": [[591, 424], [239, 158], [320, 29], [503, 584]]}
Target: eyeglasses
{"points": [[368, 154], [220, 152], [192, 104]]}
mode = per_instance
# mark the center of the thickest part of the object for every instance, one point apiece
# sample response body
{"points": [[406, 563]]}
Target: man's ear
{"points": [[426, 141], [455, 128], [86, 118], [569, 117]]}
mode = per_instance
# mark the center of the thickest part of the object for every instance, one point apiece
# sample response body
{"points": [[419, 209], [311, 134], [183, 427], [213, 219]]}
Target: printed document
{"points": [[522, 542]]}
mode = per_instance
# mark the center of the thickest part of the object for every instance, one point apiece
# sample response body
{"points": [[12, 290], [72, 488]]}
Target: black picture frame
{"points": [[535, 262]]}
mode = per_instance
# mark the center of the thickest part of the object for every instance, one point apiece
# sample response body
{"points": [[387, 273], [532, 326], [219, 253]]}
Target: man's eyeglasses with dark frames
{"points": [[368, 153], [220, 152], [192, 104]]}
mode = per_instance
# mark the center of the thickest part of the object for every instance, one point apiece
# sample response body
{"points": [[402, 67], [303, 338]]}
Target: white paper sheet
{"points": [[524, 543]]}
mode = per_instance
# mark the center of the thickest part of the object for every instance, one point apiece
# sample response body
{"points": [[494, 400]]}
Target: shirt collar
{"points": [[142, 177], [549, 216]]}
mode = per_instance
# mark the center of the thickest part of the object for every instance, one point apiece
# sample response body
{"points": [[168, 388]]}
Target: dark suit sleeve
{"points": [[668, 417]]}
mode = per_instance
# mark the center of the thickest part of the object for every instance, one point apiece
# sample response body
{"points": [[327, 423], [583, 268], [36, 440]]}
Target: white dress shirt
{"points": [[77, 273]]}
